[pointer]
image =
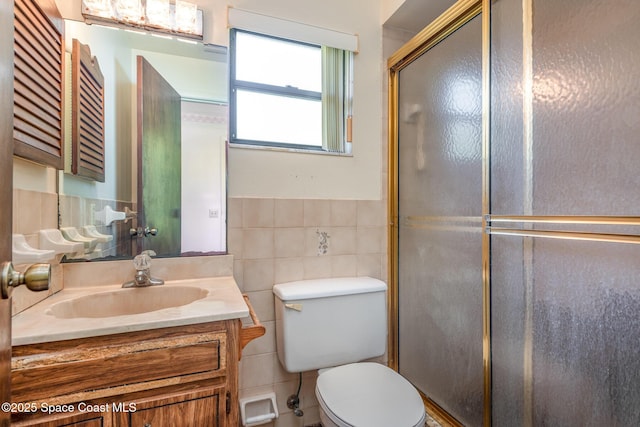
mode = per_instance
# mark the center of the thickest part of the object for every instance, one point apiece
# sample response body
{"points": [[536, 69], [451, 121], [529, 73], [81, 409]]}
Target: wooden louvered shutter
{"points": [[88, 114], [38, 82]]}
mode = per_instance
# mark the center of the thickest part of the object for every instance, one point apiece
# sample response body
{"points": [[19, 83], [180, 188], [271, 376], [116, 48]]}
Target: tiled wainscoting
{"points": [[34, 211], [281, 240], [79, 211]]}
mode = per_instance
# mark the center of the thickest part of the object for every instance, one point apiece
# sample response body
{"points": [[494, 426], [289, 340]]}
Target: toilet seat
{"points": [[369, 395]]}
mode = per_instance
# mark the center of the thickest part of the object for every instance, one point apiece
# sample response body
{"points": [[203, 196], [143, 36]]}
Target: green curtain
{"points": [[336, 97]]}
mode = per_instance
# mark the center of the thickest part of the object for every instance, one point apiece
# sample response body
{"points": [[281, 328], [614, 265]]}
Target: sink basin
{"points": [[127, 301]]}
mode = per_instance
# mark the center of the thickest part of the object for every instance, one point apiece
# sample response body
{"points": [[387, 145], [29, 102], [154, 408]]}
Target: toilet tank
{"points": [[328, 322]]}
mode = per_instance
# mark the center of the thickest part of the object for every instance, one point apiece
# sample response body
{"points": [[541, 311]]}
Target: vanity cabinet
{"points": [[177, 376]]}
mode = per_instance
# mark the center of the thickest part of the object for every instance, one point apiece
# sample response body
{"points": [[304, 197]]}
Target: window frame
{"points": [[287, 91]]}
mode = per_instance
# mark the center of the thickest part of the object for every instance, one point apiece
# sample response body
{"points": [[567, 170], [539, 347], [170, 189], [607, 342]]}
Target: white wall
{"points": [[204, 133], [115, 65], [33, 177], [192, 78]]}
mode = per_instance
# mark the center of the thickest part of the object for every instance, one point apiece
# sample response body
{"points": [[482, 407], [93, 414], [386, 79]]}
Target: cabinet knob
{"points": [[147, 424]]}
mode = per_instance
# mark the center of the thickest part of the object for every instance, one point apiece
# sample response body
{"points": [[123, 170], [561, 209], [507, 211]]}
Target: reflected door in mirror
{"points": [[159, 161]]}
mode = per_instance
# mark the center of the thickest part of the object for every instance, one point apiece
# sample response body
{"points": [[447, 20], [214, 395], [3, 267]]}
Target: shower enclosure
{"points": [[514, 196]]}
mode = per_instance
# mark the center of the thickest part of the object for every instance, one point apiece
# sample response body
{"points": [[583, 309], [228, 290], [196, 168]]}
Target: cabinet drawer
{"points": [[87, 367]]}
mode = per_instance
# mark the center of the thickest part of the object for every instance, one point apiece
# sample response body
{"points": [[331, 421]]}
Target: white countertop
{"points": [[36, 324]]}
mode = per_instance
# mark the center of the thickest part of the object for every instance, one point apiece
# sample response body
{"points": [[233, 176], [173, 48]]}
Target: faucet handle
{"points": [[142, 261]]}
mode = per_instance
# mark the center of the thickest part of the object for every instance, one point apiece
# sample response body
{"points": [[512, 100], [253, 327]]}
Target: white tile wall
{"points": [[34, 211], [276, 241]]}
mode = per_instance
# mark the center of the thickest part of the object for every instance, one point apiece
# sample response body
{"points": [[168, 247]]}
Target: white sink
{"points": [[90, 311], [127, 301]]}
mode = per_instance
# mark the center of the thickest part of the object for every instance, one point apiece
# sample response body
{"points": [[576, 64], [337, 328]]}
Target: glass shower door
{"points": [[439, 223], [565, 276]]}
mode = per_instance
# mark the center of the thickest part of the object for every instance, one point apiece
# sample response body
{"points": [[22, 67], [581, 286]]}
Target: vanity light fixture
{"points": [[98, 8], [182, 18], [187, 41], [158, 13], [138, 32], [129, 11], [186, 15], [162, 36]]}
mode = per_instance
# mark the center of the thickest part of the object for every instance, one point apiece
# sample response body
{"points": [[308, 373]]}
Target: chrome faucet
{"points": [[143, 278]]}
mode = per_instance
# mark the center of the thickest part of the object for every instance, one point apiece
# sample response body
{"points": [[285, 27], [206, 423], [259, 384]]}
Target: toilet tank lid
{"points": [[320, 288]]}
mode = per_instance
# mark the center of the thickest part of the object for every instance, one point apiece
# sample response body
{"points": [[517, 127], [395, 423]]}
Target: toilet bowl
{"points": [[333, 325], [367, 395]]}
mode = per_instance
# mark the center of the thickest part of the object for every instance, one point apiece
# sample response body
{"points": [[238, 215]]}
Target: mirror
{"points": [[109, 210]]}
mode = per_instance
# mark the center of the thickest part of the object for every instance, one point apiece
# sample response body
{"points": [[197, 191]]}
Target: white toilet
{"points": [[333, 323]]}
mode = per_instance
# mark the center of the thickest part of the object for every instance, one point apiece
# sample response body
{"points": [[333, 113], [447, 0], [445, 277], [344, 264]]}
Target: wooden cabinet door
{"points": [[38, 82], [89, 423], [201, 412], [6, 178], [88, 419]]}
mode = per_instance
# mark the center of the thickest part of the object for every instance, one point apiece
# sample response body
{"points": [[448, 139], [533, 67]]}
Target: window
{"points": [[290, 94]]}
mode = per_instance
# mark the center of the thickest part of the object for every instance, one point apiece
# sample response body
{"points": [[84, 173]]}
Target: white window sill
{"points": [[289, 150]]}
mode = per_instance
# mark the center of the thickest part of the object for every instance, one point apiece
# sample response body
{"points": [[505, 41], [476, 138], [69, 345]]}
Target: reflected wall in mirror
{"points": [[197, 72]]}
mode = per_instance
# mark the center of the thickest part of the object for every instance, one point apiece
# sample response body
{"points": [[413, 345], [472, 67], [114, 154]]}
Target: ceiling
{"points": [[414, 15]]}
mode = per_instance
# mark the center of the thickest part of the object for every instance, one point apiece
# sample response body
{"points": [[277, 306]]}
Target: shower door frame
{"points": [[525, 225], [451, 20]]}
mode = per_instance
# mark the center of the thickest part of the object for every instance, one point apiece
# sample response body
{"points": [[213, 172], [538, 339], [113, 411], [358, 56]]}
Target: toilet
{"points": [[333, 325]]}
